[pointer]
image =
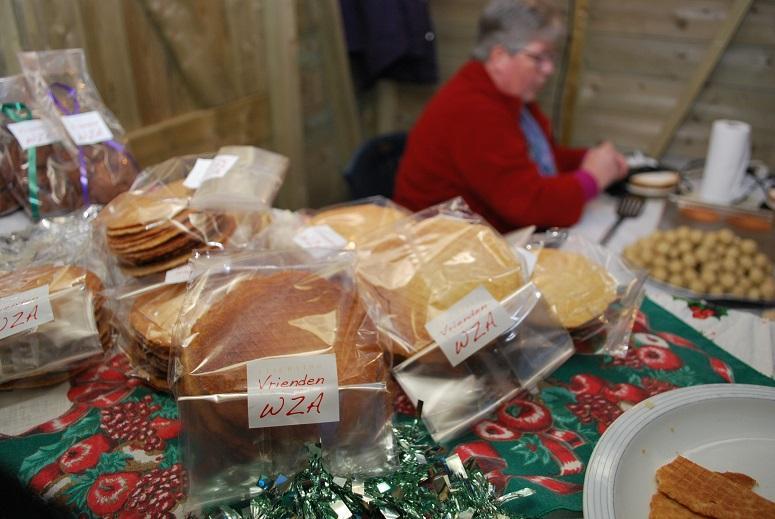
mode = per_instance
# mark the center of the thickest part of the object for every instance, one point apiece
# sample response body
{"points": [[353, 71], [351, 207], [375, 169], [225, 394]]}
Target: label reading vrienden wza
{"points": [[32, 133], [205, 169], [87, 128], [469, 325], [24, 311], [292, 391], [316, 237]]}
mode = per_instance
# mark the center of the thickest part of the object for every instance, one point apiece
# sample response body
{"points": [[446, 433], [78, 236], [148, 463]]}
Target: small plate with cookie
{"points": [[670, 450]]}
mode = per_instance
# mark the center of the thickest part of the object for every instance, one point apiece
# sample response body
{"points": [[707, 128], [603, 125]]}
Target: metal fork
{"points": [[630, 206]]}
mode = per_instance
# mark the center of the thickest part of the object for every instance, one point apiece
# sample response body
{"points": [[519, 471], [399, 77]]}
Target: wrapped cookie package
{"points": [[152, 228], [53, 322], [419, 267], [238, 179], [341, 226], [36, 168], [487, 353], [594, 294], [67, 98], [144, 317], [272, 350]]}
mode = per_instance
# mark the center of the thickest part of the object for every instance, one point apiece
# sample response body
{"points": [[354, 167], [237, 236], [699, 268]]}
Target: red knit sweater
{"points": [[468, 143]]}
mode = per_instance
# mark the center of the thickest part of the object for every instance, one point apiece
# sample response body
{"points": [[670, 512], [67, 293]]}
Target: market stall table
{"points": [[103, 443]]}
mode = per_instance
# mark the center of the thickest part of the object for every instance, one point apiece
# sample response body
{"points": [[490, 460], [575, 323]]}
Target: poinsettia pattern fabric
{"points": [[114, 453], [543, 441]]}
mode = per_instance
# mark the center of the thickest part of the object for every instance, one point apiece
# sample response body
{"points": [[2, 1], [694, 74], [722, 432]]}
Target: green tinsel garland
{"points": [[426, 485]]}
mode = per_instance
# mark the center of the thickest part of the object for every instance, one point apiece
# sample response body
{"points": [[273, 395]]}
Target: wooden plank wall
{"points": [[189, 76], [638, 56]]}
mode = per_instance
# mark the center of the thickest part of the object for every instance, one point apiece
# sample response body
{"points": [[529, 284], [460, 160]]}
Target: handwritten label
{"points": [[35, 132], [469, 325], [205, 169], [317, 237], [87, 128], [292, 391], [177, 275], [24, 311]]}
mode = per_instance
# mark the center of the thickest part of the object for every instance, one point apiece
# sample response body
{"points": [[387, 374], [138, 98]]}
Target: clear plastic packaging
{"points": [[145, 316], [415, 270], [67, 97], [594, 294], [246, 310], [8, 202], [61, 324], [533, 346], [152, 228], [241, 179], [43, 179]]}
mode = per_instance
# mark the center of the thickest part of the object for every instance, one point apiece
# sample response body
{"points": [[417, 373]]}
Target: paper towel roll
{"points": [[729, 151]]}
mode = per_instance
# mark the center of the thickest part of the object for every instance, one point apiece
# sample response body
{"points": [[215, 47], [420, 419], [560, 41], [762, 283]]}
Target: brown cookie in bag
{"points": [[111, 172], [58, 178]]}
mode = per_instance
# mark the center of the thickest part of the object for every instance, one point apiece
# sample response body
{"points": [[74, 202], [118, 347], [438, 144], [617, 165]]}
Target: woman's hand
{"points": [[605, 164]]}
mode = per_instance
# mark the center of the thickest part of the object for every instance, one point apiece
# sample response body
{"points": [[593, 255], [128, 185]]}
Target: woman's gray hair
{"points": [[515, 23]]}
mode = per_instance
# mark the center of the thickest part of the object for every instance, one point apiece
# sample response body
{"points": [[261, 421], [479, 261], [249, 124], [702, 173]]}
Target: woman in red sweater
{"points": [[483, 137]]}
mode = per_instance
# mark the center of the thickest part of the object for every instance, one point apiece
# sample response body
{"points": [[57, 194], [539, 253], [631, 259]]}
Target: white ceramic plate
{"points": [[724, 427]]}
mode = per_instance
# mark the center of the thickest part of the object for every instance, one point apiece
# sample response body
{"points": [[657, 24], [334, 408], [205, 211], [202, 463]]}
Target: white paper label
{"points": [[292, 391], [24, 311], [205, 169], [197, 174], [35, 132], [469, 325], [316, 237], [87, 128], [177, 275], [530, 260]]}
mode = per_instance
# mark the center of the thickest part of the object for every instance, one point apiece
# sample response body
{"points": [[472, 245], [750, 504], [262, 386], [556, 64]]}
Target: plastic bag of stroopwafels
{"points": [[239, 179], [421, 266], [152, 228], [60, 83], [144, 317], [35, 167], [341, 226], [485, 355], [593, 292], [271, 350], [53, 322]]}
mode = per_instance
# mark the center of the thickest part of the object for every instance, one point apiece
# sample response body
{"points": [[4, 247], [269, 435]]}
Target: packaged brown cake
{"points": [[269, 353], [52, 321], [35, 167], [63, 90]]}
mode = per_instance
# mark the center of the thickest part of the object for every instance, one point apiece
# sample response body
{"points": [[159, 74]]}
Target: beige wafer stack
{"points": [[151, 322], [354, 222], [577, 289], [688, 490], [150, 232], [417, 271]]}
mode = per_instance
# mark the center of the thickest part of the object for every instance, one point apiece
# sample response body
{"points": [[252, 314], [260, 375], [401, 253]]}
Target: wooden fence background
{"points": [[187, 76]]}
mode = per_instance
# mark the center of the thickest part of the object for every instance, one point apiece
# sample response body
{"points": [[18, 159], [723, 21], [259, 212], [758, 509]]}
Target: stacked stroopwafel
{"points": [[151, 321], [150, 232], [79, 333], [419, 269], [689, 490]]}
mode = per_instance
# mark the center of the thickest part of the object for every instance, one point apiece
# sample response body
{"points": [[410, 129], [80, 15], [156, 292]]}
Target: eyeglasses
{"points": [[541, 59]]}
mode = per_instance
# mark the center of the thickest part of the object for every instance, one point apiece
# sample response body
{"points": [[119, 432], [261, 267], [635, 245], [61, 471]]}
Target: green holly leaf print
{"points": [[167, 407], [530, 450], [171, 454], [76, 493], [83, 428], [112, 462], [33, 463]]}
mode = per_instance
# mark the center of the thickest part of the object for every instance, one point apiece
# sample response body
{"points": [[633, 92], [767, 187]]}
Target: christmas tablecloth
{"points": [[104, 445]]}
